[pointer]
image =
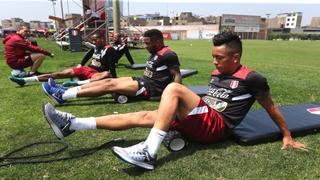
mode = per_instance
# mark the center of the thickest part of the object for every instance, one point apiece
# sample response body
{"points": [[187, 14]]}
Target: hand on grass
{"points": [[289, 142]]}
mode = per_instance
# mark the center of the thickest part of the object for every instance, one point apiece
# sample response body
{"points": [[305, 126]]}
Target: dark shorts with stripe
{"points": [[146, 88]]}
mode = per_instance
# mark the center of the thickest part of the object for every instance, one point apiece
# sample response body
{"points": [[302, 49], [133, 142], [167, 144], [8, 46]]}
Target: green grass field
{"points": [[292, 68]]}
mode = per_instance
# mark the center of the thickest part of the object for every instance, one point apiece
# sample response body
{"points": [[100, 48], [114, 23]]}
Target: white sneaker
{"points": [[136, 155]]}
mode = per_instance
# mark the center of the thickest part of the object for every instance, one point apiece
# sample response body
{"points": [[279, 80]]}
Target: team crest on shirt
{"points": [[74, 32], [234, 84]]}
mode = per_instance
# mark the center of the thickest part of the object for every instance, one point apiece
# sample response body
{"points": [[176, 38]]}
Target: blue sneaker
{"points": [[53, 83], [54, 93], [17, 80], [136, 155], [59, 121]]}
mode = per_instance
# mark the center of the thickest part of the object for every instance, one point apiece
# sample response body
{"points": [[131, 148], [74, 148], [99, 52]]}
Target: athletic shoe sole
{"points": [[120, 153], [49, 95], [56, 130]]}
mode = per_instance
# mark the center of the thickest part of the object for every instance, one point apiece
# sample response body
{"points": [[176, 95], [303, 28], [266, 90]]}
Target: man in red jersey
{"points": [[19, 53]]}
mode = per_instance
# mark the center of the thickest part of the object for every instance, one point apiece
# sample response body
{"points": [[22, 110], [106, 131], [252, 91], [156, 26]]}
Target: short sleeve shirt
{"points": [[158, 67], [233, 94]]}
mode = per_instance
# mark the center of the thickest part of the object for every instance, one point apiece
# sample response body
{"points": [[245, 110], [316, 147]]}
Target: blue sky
{"points": [[41, 9]]}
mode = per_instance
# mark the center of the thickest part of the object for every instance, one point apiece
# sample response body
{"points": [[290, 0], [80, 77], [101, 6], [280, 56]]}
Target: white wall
{"points": [[192, 31]]}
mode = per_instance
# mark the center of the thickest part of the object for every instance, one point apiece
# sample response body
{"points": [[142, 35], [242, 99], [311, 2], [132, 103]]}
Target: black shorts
{"points": [[147, 88]]}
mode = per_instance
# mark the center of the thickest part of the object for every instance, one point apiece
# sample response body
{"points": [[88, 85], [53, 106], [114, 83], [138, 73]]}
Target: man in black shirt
{"points": [[162, 69], [102, 65], [121, 48], [232, 90]]}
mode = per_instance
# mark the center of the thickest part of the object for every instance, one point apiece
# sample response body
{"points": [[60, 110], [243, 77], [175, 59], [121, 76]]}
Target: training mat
{"points": [[201, 90], [187, 72], [258, 127], [136, 66]]}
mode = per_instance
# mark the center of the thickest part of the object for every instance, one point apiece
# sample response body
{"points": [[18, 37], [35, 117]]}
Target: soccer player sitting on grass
{"points": [[102, 66], [121, 47], [162, 69], [233, 89], [19, 53]]}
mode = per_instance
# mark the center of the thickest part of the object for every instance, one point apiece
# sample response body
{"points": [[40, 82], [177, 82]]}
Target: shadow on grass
{"points": [[101, 100], [10, 158], [88, 101]]}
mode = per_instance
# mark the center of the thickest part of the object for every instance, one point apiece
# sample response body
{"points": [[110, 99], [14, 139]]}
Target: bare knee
{"points": [[37, 57], [173, 89], [105, 74]]}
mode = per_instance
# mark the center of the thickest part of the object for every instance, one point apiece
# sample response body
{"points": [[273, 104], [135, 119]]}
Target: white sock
{"points": [[70, 93], [31, 79], [83, 123], [154, 140], [83, 82]]}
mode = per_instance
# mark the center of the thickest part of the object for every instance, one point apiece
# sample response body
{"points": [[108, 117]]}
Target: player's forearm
{"points": [[279, 119], [87, 57]]}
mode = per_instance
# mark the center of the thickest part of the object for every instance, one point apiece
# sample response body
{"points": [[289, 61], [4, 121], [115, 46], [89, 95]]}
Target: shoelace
{"points": [[53, 84], [66, 117], [139, 152], [54, 89]]}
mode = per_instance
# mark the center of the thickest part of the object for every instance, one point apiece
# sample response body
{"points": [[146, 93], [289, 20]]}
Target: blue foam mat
{"points": [[258, 127]]}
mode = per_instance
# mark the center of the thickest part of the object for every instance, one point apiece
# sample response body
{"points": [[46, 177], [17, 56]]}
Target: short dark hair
{"points": [[230, 39], [98, 35], [153, 34], [21, 26]]}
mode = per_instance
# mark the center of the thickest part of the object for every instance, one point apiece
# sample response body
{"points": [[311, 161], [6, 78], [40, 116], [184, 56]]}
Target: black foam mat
{"points": [[258, 127], [201, 90], [187, 72], [136, 66], [184, 72]]}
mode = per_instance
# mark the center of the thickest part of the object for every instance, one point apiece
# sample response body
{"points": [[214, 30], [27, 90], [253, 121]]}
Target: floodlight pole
{"points": [[62, 16], [106, 10], [116, 16], [128, 17], [54, 12], [268, 23]]}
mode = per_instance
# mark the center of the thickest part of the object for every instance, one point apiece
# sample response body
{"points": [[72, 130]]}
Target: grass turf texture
{"points": [[292, 69]]}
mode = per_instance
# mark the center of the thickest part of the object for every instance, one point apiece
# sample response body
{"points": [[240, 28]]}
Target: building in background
{"points": [[159, 21], [186, 18], [285, 22], [73, 20], [16, 22], [6, 23], [246, 26], [315, 22], [34, 24], [293, 20]]}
